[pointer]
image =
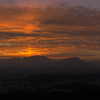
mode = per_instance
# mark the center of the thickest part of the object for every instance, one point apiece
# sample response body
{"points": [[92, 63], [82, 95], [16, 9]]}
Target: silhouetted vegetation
{"points": [[87, 92]]}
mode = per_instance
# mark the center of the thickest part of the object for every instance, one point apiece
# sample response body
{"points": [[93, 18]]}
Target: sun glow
{"points": [[29, 51], [55, 32]]}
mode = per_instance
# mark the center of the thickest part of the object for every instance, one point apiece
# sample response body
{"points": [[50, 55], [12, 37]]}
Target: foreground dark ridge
{"points": [[84, 92]]}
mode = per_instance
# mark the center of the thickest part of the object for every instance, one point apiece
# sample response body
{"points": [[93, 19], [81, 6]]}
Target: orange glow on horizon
{"points": [[49, 31]]}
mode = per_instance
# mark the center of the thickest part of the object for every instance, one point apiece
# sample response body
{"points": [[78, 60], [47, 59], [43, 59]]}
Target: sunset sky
{"points": [[58, 29]]}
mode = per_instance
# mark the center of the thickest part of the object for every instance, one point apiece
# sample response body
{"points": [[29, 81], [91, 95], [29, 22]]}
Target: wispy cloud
{"points": [[50, 30]]}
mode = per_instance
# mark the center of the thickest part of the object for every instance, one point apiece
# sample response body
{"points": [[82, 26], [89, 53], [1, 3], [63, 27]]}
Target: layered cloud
{"points": [[52, 31], [88, 3]]}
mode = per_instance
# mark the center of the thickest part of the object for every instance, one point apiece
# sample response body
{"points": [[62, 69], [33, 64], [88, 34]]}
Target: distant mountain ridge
{"points": [[37, 57], [44, 64], [73, 61]]}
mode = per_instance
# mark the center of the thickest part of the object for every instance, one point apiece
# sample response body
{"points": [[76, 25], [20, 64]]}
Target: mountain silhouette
{"points": [[44, 64], [75, 61], [74, 64], [38, 58]]}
